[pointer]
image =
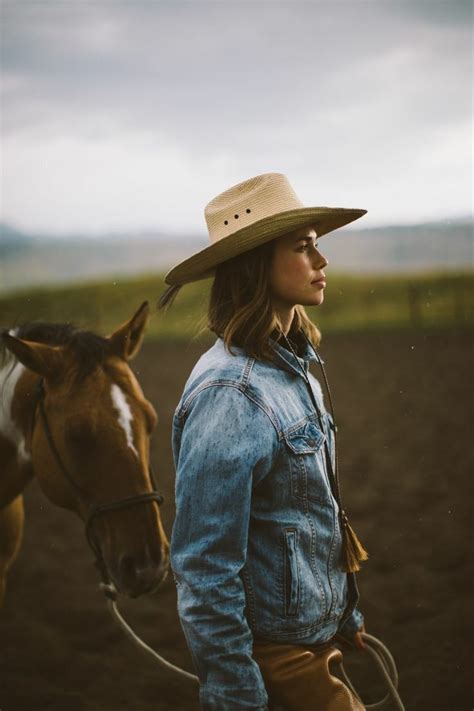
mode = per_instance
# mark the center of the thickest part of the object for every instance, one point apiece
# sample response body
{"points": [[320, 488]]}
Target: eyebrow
{"points": [[307, 238]]}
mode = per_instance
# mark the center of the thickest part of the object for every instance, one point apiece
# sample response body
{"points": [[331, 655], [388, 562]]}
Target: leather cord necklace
{"points": [[353, 552]]}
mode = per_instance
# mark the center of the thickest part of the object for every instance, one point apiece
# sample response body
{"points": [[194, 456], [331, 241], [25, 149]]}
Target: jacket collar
{"points": [[285, 359]]}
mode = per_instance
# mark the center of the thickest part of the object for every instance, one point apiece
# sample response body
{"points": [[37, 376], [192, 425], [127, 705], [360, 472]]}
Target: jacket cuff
{"points": [[352, 625], [210, 701]]}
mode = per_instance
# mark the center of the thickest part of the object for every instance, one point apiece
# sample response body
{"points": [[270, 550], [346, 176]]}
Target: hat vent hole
{"points": [[226, 222], [248, 210], [236, 217]]}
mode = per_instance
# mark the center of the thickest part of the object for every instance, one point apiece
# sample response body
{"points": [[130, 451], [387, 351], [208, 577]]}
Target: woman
{"points": [[261, 551]]}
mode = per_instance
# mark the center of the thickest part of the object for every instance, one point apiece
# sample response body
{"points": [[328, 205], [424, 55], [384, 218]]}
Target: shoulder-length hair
{"points": [[241, 311]]}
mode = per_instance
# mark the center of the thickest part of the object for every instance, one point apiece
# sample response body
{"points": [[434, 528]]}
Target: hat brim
{"points": [[202, 264]]}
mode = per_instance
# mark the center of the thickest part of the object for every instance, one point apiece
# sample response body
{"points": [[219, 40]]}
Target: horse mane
{"points": [[89, 349]]}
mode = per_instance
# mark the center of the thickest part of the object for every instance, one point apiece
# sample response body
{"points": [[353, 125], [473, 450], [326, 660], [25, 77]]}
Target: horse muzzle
{"points": [[135, 576]]}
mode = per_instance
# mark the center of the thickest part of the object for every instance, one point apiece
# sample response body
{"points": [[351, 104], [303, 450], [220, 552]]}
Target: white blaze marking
{"points": [[125, 416], [9, 377]]}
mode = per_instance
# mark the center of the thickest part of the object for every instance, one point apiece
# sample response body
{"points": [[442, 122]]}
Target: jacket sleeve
{"points": [[223, 443]]}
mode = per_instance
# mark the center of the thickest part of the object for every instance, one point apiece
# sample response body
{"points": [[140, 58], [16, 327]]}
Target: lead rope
{"points": [[388, 671], [110, 593], [373, 646]]}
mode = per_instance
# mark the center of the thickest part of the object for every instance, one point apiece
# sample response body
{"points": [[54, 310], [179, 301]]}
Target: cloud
{"points": [[356, 100]]}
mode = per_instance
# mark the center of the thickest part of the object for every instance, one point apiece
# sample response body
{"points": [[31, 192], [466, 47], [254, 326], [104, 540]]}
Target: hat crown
{"points": [[248, 202]]}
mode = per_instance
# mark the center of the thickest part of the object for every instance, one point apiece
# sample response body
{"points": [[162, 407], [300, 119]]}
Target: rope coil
{"points": [[385, 663]]}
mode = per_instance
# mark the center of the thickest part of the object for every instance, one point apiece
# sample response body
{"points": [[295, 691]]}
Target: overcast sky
{"points": [[130, 115]]}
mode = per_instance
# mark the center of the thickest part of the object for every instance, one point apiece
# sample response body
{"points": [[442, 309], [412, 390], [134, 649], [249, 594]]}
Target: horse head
{"points": [[89, 443]]}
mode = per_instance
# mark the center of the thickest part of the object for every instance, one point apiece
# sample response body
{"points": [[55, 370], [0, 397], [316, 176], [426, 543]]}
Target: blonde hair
{"points": [[241, 311]]}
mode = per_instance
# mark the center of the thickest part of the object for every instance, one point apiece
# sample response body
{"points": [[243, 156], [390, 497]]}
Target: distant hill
{"points": [[12, 241], [27, 259], [447, 244]]}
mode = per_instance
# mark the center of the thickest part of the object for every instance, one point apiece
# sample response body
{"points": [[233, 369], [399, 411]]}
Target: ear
{"points": [[40, 358], [127, 339]]}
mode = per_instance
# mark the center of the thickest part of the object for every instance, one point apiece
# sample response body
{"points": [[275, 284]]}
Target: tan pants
{"points": [[299, 679]]}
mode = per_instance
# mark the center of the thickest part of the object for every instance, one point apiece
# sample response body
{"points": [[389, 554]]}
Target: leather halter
{"points": [[92, 509]]}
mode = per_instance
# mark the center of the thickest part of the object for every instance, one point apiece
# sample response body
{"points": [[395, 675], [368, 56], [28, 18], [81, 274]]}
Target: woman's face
{"points": [[296, 275]]}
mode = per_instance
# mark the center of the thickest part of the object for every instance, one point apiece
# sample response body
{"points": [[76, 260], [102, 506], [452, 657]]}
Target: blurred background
{"points": [[120, 120]]}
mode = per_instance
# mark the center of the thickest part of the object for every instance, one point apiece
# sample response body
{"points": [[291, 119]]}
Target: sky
{"points": [[121, 115]]}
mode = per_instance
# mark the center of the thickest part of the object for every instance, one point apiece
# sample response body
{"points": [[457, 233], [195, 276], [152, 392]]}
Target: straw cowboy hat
{"points": [[249, 214]]}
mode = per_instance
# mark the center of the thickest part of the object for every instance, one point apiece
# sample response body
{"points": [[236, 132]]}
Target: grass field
{"points": [[426, 301]]}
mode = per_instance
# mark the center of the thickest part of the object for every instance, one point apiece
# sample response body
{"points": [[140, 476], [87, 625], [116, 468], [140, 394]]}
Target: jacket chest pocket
{"points": [[307, 462]]}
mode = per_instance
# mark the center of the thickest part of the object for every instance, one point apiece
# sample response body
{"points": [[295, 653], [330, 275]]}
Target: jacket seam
{"points": [[247, 371], [303, 631], [243, 388]]}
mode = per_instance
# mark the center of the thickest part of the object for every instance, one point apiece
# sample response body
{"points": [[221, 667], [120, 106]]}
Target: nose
{"points": [[320, 261]]}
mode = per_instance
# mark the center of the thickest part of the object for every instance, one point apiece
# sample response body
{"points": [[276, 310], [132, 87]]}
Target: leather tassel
{"points": [[353, 552]]}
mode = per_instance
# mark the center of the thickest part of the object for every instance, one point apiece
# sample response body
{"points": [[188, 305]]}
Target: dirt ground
{"points": [[404, 408]]}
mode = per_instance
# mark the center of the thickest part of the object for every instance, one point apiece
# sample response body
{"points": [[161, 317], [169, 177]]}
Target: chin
{"points": [[315, 301]]}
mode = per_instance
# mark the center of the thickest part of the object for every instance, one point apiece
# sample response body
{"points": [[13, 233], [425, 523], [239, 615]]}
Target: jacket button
{"points": [[311, 442]]}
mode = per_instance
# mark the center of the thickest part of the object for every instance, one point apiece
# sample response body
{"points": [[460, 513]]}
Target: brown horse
{"points": [[73, 415]]}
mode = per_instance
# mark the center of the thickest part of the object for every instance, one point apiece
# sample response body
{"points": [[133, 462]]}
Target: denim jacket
{"points": [[256, 541]]}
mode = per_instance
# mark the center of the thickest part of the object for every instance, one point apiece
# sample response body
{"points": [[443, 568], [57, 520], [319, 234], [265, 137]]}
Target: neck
{"points": [[285, 315]]}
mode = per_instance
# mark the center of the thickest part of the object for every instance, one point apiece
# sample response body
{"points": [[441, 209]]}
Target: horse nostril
{"points": [[128, 569], [140, 574]]}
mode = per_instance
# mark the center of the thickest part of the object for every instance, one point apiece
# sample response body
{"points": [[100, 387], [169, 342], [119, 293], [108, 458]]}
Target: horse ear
{"points": [[40, 358], [127, 339]]}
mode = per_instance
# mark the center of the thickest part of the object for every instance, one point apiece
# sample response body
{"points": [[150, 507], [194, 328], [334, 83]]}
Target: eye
{"points": [[303, 247]]}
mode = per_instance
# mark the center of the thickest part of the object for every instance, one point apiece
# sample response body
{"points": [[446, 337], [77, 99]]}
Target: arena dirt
{"points": [[404, 409]]}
